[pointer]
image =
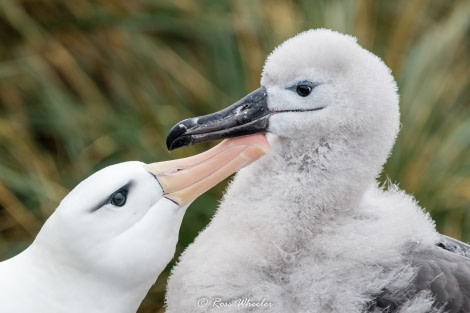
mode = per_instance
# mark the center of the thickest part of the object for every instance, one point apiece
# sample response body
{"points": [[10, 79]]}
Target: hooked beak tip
{"points": [[177, 136], [178, 142]]}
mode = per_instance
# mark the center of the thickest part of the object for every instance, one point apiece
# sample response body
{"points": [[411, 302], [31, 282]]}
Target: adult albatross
{"points": [[111, 236], [306, 228]]}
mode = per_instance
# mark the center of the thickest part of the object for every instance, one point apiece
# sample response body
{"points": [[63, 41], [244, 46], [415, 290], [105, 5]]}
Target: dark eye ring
{"points": [[303, 90], [119, 198]]}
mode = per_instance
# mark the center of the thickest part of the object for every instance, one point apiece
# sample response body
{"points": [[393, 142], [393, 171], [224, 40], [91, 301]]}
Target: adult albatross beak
{"points": [[183, 180], [247, 116]]}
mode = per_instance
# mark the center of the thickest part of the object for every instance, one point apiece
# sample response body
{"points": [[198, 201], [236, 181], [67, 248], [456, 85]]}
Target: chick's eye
{"points": [[119, 198], [303, 90]]}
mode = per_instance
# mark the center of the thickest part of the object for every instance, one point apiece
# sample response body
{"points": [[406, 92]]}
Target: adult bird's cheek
{"points": [[183, 180]]}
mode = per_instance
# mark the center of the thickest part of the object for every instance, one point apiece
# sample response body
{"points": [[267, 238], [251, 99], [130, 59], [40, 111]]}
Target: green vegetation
{"points": [[84, 84]]}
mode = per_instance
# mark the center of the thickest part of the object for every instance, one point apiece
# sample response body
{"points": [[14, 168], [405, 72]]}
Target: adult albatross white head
{"points": [[306, 228], [111, 236]]}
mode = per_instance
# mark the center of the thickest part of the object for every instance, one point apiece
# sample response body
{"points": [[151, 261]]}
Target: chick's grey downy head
{"points": [[326, 85], [317, 87]]}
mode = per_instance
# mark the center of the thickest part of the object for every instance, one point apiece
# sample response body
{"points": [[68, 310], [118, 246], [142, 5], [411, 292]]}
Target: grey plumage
{"points": [[442, 271]]}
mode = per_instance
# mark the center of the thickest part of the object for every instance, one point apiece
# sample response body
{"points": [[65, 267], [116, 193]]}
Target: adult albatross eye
{"points": [[119, 198], [303, 90]]}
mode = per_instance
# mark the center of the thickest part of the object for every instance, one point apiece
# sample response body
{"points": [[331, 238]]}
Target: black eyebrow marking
{"points": [[106, 200]]}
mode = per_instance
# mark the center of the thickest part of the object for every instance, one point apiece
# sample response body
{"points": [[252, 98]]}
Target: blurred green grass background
{"points": [[85, 84]]}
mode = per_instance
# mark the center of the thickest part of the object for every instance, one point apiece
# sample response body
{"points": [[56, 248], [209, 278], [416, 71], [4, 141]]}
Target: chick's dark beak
{"points": [[247, 116]]}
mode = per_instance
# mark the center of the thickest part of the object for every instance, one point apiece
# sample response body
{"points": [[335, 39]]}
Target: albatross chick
{"points": [[306, 228]]}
